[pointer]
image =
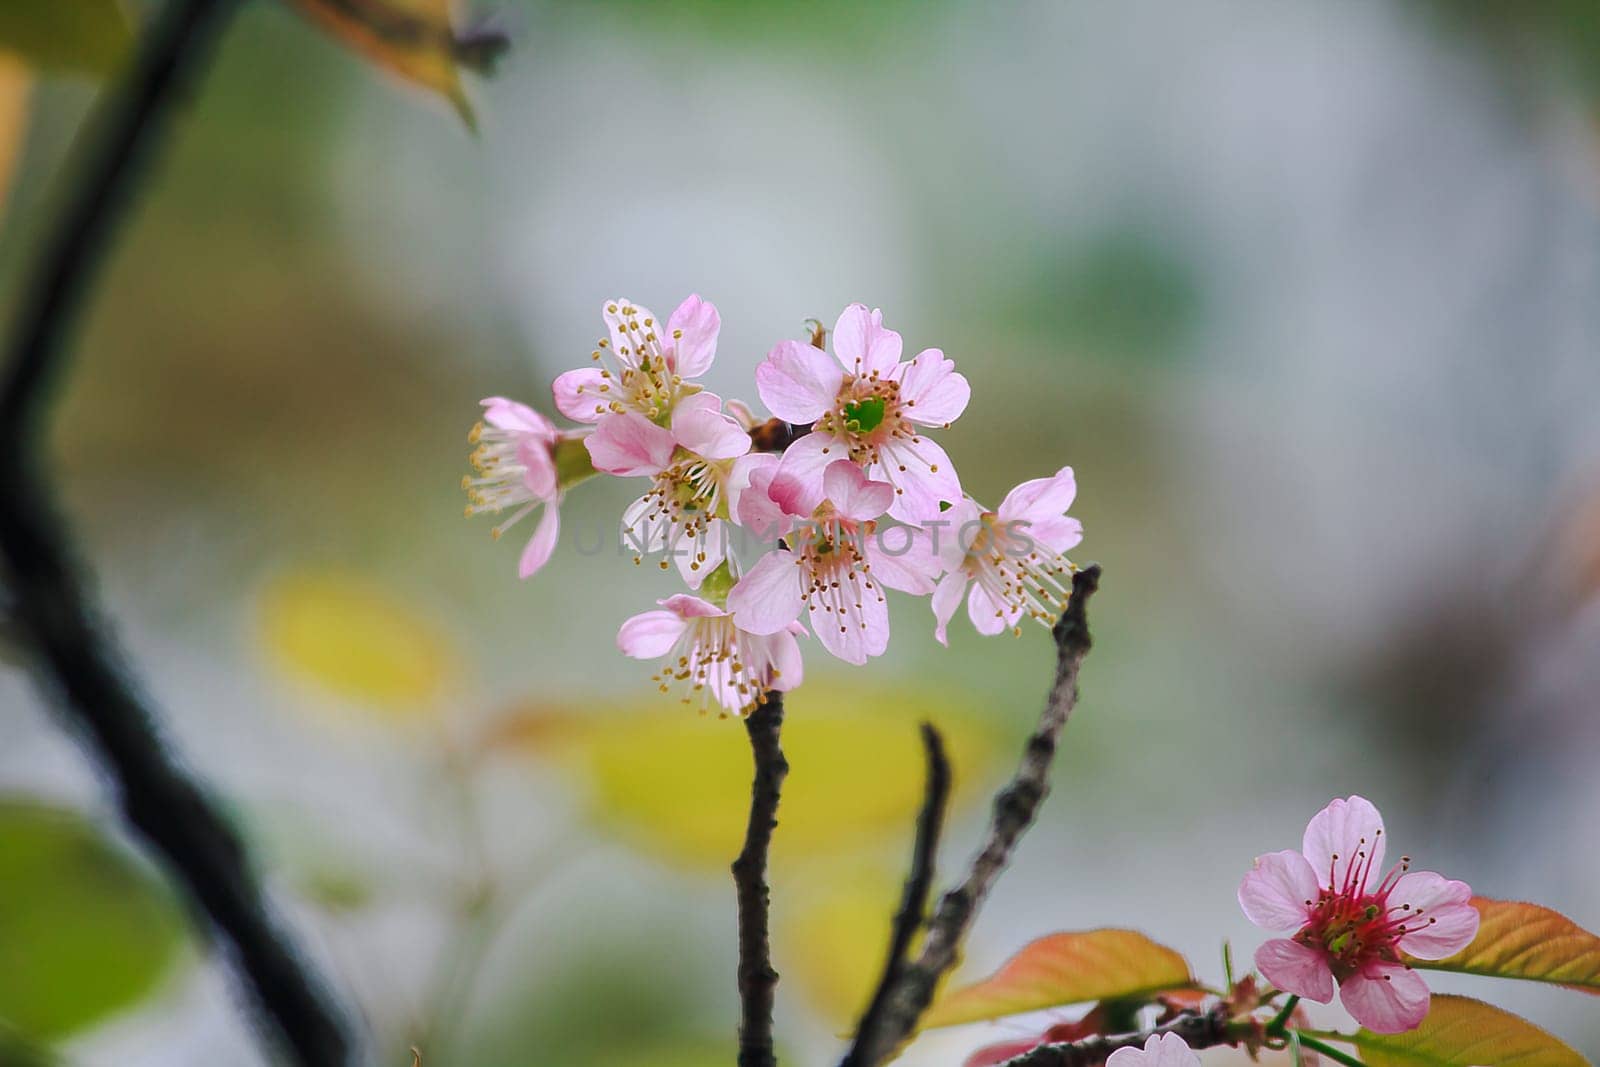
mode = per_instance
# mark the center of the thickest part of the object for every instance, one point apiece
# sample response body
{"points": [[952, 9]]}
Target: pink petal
{"points": [[708, 433], [1041, 498], [1297, 968], [691, 607], [644, 531], [1051, 536], [934, 394], [1160, 1050], [797, 487], [862, 345], [852, 493], [767, 598], [988, 615], [946, 598], [863, 630], [1441, 920], [782, 651], [1352, 831], [902, 558], [749, 497], [542, 543], [953, 532], [798, 382], [1386, 998], [581, 395], [623, 343], [693, 352], [630, 445], [712, 544], [927, 480], [506, 414], [539, 469], [1279, 891], [651, 634]]}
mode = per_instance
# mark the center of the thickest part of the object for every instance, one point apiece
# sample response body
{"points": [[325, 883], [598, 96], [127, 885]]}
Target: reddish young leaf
{"points": [[1460, 1032], [1529, 942], [1067, 968], [1096, 1022]]}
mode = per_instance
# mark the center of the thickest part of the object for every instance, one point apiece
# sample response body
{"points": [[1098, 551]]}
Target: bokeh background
{"points": [[1305, 292]]}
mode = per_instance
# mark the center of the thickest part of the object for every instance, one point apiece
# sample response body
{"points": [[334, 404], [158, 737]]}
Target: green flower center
{"points": [[866, 415]]}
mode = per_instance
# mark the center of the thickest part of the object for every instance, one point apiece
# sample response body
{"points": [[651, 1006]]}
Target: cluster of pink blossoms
{"points": [[855, 453]]}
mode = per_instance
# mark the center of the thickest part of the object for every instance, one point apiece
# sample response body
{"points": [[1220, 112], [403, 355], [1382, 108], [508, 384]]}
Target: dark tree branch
{"points": [[479, 46], [1199, 1031], [1015, 807], [758, 982], [919, 883], [66, 641]]}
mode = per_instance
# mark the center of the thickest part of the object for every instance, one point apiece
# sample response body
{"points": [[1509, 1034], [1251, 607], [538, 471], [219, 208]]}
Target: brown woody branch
{"points": [[53, 615], [1198, 1030], [758, 982], [919, 883], [1015, 807]]}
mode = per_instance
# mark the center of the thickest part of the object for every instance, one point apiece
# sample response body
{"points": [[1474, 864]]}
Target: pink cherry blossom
{"points": [[689, 463], [1351, 925], [1160, 1050], [1012, 557], [709, 657], [516, 469], [639, 367], [834, 565], [868, 406]]}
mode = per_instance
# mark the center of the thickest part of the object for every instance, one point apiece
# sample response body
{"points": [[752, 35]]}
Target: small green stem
{"points": [[1278, 1021], [1324, 1049]]}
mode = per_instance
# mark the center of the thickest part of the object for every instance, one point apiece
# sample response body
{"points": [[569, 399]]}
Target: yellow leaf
{"points": [[82, 36], [678, 784], [833, 934], [1462, 1031], [1067, 968], [354, 638], [14, 86], [1519, 940], [414, 39]]}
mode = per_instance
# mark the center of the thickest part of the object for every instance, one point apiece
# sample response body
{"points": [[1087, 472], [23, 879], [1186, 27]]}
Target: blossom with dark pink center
{"points": [[1011, 558], [689, 464], [867, 406], [516, 465], [708, 656], [639, 365], [1353, 925], [834, 564]]}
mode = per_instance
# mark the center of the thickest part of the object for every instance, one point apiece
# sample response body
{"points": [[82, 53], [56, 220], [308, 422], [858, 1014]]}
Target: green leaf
{"points": [[1461, 1032], [84, 932], [1067, 968], [82, 36], [1526, 941]]}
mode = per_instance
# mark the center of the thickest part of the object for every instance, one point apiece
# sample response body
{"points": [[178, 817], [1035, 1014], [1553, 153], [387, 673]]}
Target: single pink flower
{"points": [[516, 469], [708, 656], [835, 564], [1160, 1050], [1353, 926], [685, 510], [1012, 557], [648, 370], [867, 406]]}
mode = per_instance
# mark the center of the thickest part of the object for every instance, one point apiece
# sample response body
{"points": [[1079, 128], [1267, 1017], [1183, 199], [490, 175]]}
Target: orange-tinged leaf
{"points": [[1527, 941], [1067, 968], [415, 39], [1461, 1032], [15, 83]]}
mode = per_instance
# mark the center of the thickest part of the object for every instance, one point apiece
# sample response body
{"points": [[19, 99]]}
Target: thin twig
{"points": [[1199, 1031], [758, 982], [919, 883], [1015, 807], [67, 642]]}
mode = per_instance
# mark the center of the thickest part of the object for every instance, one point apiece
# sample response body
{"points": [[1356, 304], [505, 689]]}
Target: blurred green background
{"points": [[1305, 292]]}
